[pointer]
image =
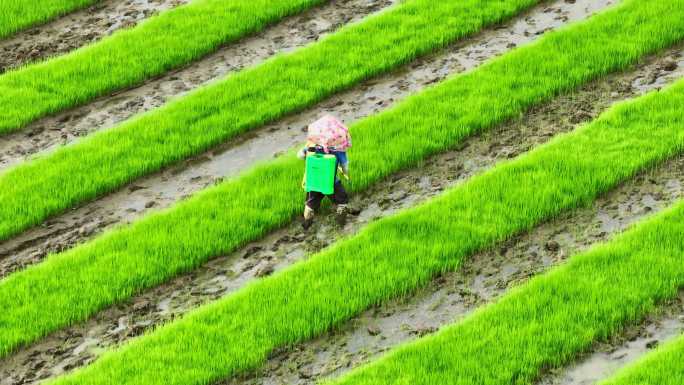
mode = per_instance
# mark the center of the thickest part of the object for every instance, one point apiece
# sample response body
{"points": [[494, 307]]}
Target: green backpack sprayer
{"points": [[320, 173]]}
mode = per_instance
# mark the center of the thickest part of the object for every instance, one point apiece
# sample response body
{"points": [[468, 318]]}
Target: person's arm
{"points": [[343, 164], [301, 154]]}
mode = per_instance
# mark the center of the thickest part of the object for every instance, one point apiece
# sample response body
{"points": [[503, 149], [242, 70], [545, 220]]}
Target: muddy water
{"points": [[606, 358], [485, 277], [168, 187], [77, 29], [448, 298], [293, 33], [289, 34]]}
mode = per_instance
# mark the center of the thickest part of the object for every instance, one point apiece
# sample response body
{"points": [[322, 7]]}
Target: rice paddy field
{"points": [[516, 212]]}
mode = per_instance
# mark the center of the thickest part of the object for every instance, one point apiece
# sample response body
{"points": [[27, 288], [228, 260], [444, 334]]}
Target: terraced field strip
{"points": [[76, 29], [483, 275], [396, 255], [163, 189], [170, 40], [291, 33], [186, 33], [240, 103], [662, 367], [556, 316], [73, 285], [622, 350], [17, 15], [81, 343]]}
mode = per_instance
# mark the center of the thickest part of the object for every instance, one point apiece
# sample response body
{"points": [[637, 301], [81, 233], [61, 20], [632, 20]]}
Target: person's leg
{"points": [[340, 197], [313, 203]]}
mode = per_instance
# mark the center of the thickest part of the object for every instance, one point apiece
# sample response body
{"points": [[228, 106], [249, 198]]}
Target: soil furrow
{"points": [[77, 29], [488, 275], [164, 189], [606, 358], [287, 35], [482, 278]]}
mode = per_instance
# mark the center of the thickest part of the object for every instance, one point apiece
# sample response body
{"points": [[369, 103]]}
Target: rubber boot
{"points": [[308, 217], [341, 217]]}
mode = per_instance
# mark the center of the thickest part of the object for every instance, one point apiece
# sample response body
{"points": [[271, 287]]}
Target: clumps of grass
{"points": [[540, 325], [664, 366], [186, 33], [71, 286], [31, 192], [555, 317], [16, 15], [129, 57]]}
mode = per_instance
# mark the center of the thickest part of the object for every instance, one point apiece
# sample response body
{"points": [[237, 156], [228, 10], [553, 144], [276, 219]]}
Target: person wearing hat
{"points": [[327, 136]]}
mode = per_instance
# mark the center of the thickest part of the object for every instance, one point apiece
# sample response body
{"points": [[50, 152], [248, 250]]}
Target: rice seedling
{"points": [[503, 89], [664, 366], [179, 36], [17, 15], [238, 211], [549, 321], [388, 258], [217, 106]]}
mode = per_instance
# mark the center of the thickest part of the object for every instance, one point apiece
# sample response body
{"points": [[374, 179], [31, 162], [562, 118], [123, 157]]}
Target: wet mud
{"points": [[170, 186], [488, 275], [77, 29], [446, 299], [291, 33], [606, 358]]}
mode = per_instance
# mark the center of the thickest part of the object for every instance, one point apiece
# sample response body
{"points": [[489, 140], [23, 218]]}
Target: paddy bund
{"points": [[446, 299], [290, 33], [77, 29], [173, 184]]}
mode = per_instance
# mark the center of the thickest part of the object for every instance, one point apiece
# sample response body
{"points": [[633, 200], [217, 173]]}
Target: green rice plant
{"points": [[31, 192], [552, 319], [396, 255], [179, 36], [71, 286], [16, 15], [664, 366], [556, 316]]}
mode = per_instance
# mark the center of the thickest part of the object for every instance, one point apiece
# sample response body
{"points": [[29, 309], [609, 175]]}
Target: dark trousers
{"points": [[339, 197]]}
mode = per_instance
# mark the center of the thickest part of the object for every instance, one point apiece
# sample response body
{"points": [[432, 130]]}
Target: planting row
{"points": [[83, 342], [73, 285], [287, 35], [397, 255], [167, 187], [129, 57], [186, 33], [78, 28], [17, 15], [663, 367], [552, 319], [107, 160]]}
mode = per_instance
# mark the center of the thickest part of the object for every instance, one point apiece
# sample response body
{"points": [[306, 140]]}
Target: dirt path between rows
{"points": [[485, 277], [289, 34], [77, 29], [488, 275], [607, 357], [164, 189], [446, 299]]}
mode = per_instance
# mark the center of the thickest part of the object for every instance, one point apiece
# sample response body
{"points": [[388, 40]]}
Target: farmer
{"points": [[327, 136]]}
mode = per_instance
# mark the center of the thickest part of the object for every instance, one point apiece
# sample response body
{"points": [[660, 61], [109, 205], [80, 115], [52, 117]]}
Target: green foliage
{"points": [[71, 286], [16, 15], [549, 321], [539, 325], [129, 57], [664, 366], [31, 192]]}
